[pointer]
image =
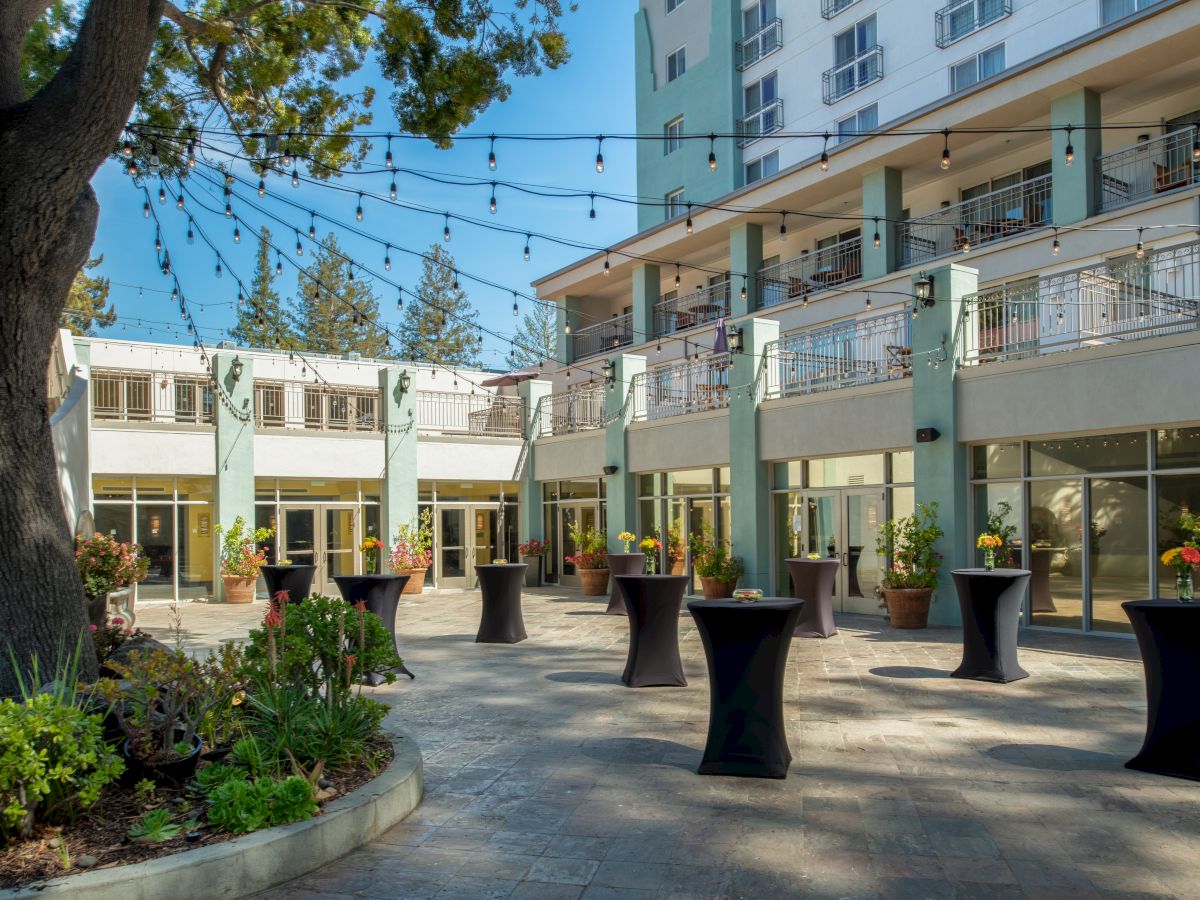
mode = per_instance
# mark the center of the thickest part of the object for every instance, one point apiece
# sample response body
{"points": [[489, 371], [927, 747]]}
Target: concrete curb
{"points": [[261, 860]]}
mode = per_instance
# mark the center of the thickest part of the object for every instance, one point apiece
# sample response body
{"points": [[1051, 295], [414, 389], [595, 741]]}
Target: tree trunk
{"points": [[50, 146]]}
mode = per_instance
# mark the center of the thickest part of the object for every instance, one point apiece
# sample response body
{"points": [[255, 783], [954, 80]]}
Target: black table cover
{"points": [[622, 564], [812, 581], [296, 580], [1168, 635], [653, 603], [501, 621], [381, 594], [991, 612], [747, 648]]}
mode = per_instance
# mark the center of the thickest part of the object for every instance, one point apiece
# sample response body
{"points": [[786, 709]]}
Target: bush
{"points": [[712, 559], [307, 730], [53, 762], [238, 805], [907, 544]]}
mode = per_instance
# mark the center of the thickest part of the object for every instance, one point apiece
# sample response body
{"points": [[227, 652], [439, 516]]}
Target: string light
{"points": [[237, 235], [299, 246], [154, 160], [262, 187], [676, 276], [388, 161], [516, 309], [162, 194], [946, 150], [146, 209], [287, 159], [712, 153], [783, 226], [492, 152], [875, 239], [606, 266], [446, 230], [157, 240], [528, 237], [312, 226], [392, 190], [868, 300], [1141, 248], [358, 210], [599, 154], [278, 263], [825, 153], [1056, 246], [592, 212], [191, 235], [688, 224], [743, 288], [455, 283], [492, 202], [400, 301], [191, 152], [219, 271], [387, 258], [1069, 155], [295, 177]]}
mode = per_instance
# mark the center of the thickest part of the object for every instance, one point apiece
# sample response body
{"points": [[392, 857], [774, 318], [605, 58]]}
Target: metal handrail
{"points": [[811, 273], [830, 8], [1152, 167], [705, 304], [682, 388], [854, 74], [602, 336], [758, 123], [762, 43], [481, 415], [129, 395], [579, 409], [951, 23], [316, 407]]}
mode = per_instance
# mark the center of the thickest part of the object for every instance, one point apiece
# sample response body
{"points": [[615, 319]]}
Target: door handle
{"points": [[845, 558]]}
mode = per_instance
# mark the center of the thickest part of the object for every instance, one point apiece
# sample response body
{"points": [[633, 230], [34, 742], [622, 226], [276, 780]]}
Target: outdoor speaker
{"points": [[610, 470], [927, 435]]}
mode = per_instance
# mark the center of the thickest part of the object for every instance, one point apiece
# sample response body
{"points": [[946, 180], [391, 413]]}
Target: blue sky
{"points": [[592, 94]]}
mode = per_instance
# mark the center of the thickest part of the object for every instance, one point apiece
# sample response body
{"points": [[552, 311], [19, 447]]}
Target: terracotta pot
{"points": [[416, 580], [676, 565], [239, 588], [717, 588], [595, 581], [908, 607]]}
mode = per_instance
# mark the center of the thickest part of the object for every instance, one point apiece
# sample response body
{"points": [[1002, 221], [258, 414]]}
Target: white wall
{"points": [[481, 459], [69, 431], [148, 450], [681, 442], [851, 420], [569, 456]]}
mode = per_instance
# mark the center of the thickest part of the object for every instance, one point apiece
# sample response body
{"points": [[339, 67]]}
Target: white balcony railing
{"points": [[317, 407], [963, 17], [603, 336], [844, 354], [1152, 167], [140, 396], [811, 273], [705, 304], [1121, 301], [981, 220], [762, 43], [580, 409], [760, 122], [830, 8], [852, 75], [482, 415], [680, 389]]}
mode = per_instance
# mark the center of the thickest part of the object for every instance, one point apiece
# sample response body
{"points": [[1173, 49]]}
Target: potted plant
{"points": [[371, 548], [911, 575], [676, 556], [106, 564], [532, 552], [241, 562], [412, 553], [719, 570], [590, 560]]}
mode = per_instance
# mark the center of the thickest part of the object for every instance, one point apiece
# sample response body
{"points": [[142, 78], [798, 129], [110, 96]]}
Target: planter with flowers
{"points": [[1184, 561], [241, 562], [412, 553], [719, 570], [911, 576], [590, 560], [676, 552], [106, 564], [372, 549], [532, 553]]}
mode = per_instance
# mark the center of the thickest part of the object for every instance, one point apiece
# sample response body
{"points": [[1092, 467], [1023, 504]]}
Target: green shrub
{"points": [[213, 776], [240, 806], [286, 718], [53, 762], [154, 828]]}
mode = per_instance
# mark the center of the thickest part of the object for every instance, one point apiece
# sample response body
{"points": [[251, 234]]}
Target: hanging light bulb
{"points": [[295, 177], [492, 152], [154, 160], [392, 189], [387, 259], [162, 194], [191, 154], [1069, 155], [262, 187], [388, 162], [946, 150], [658, 348], [677, 276], [146, 209], [1141, 248], [868, 300], [599, 155], [400, 301], [157, 240], [592, 212], [127, 148], [492, 202], [446, 230], [567, 327], [527, 239], [712, 153], [287, 159], [237, 235], [191, 235], [875, 239], [278, 263], [312, 226], [228, 211], [219, 271], [179, 199], [966, 245], [358, 210], [688, 224], [825, 154], [1059, 317], [455, 284], [743, 291], [516, 309], [1055, 247], [299, 246], [606, 266], [132, 168], [350, 278]]}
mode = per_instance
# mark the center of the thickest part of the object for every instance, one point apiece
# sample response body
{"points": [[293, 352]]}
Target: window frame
{"points": [[673, 143], [674, 201], [976, 60], [675, 58], [673, 5], [760, 162]]}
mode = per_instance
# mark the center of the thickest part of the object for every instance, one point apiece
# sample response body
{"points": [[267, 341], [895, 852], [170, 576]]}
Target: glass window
{"points": [[549, 491], [372, 490], [156, 534], [675, 204], [845, 470], [1098, 453], [674, 135], [265, 517], [194, 550], [1118, 555], [902, 466], [1056, 552], [264, 488], [107, 487], [650, 513], [676, 64], [1177, 494], [194, 489], [690, 481], [425, 491], [789, 474], [647, 485], [996, 460], [963, 75], [673, 5], [115, 521], [1001, 501], [291, 489], [463, 491], [1177, 448], [991, 62], [584, 489], [763, 167], [723, 479]]}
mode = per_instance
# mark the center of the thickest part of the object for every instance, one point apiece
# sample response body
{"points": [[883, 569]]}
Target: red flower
{"points": [[1190, 555], [271, 619], [351, 659], [361, 606]]}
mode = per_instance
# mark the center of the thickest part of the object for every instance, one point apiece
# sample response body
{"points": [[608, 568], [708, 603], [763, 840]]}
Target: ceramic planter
{"points": [[675, 565], [239, 588], [595, 581], [177, 771], [533, 575], [908, 607], [717, 588], [416, 580]]}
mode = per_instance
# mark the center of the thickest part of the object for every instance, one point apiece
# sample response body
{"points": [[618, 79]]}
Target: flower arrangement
{"points": [[413, 548], [989, 543], [627, 538], [534, 547], [371, 548], [591, 548], [652, 547], [713, 559], [998, 525], [239, 558], [907, 544], [106, 564], [674, 543], [1184, 561]]}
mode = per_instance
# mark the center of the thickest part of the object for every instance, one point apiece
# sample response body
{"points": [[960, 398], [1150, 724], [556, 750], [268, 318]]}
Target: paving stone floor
{"points": [[546, 778]]}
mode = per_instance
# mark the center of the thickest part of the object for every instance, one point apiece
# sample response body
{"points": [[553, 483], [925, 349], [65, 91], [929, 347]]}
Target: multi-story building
{"points": [[981, 290]]}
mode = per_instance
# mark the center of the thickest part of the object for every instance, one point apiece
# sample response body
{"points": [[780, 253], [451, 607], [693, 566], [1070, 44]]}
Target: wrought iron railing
{"points": [[980, 220], [811, 273], [760, 122], [580, 409], [762, 43], [839, 355], [854, 74], [603, 336], [680, 389], [705, 304], [1164, 164], [141, 396], [482, 415], [830, 8], [1124, 300], [963, 17], [317, 407]]}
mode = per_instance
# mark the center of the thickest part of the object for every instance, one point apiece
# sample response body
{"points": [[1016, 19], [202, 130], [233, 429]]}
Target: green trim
{"points": [[234, 484]]}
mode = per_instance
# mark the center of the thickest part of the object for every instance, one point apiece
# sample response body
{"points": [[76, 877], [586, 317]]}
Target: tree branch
{"points": [[15, 21]]}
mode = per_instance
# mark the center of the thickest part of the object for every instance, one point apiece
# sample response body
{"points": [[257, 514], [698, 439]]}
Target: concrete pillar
{"points": [[529, 492], [941, 465], [750, 506], [620, 487], [1073, 193], [646, 280], [883, 199], [233, 415], [568, 312], [745, 259], [400, 451]]}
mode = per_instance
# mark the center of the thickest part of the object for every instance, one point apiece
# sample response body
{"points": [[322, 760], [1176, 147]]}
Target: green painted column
{"points": [[941, 465], [620, 487], [400, 451], [1073, 192], [883, 199], [234, 420], [646, 281], [750, 506], [529, 492], [745, 259], [568, 313]]}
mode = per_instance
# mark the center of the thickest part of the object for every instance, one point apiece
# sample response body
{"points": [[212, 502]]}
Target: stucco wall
{"points": [[69, 430], [683, 442], [153, 451], [853, 420], [569, 456], [480, 460]]}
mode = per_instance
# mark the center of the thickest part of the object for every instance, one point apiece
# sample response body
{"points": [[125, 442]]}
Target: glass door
{"points": [[823, 534], [701, 519], [487, 531], [299, 539], [451, 546], [341, 552], [568, 516], [861, 566]]}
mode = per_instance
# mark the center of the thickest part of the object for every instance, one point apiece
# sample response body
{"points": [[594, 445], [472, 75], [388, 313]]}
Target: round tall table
{"points": [[652, 603], [991, 611], [746, 645], [812, 581], [296, 580], [500, 586], [1168, 636], [622, 564], [381, 593]]}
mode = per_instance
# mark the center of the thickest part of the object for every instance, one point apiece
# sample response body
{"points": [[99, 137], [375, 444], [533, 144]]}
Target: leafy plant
{"points": [[239, 805], [591, 548], [255, 756], [214, 775], [414, 543], [154, 828], [712, 558], [106, 564], [145, 789], [908, 545], [239, 556], [998, 525], [107, 638]]}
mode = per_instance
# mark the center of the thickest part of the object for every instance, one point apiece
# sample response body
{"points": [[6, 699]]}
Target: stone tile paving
{"points": [[546, 778]]}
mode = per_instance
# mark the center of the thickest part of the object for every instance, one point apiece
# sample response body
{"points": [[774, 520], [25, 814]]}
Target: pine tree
{"points": [[538, 341], [263, 321], [440, 325], [336, 308], [86, 301]]}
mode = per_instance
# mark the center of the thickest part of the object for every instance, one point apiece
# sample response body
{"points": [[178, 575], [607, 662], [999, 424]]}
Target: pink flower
{"points": [[92, 629], [117, 620]]}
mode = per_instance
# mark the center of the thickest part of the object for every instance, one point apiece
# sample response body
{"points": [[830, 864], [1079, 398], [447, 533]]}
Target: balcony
{"points": [[573, 411], [315, 407], [1094, 307], [762, 43], [681, 389], [810, 274], [705, 304], [1152, 167], [765, 120], [830, 8], [841, 355], [981, 220], [852, 75], [602, 337], [477, 415], [157, 397], [964, 17]]}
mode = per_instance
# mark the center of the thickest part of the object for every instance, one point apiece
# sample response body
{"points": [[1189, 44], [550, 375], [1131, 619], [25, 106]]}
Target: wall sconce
{"points": [[404, 382], [924, 286], [236, 368], [609, 371], [733, 337]]}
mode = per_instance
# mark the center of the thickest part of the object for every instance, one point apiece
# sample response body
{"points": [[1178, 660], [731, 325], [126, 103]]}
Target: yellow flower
{"points": [[626, 536], [988, 542], [1168, 558], [238, 698]]}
